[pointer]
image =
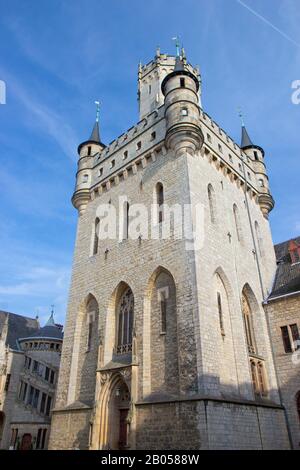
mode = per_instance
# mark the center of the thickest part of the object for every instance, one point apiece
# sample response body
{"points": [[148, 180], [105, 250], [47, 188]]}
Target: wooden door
{"points": [[26, 442], [123, 429]]}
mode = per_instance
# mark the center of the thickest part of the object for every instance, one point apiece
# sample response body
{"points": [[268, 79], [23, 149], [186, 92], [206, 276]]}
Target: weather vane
{"points": [[97, 103], [176, 39], [52, 309]]}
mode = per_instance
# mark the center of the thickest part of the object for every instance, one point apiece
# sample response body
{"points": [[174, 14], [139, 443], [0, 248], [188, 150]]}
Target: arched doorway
{"points": [[26, 443], [118, 416], [111, 427]]}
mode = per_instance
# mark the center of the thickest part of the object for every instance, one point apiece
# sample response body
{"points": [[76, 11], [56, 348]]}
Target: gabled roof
{"points": [[287, 278]]}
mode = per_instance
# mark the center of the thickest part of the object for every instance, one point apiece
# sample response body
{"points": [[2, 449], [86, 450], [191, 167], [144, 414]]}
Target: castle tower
{"points": [[151, 76], [165, 325]]}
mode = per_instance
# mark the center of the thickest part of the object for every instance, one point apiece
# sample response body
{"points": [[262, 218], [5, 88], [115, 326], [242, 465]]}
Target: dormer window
{"points": [[294, 251]]}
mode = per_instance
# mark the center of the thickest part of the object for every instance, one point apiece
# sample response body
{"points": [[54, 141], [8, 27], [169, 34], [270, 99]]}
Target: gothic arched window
{"points": [[125, 322], [212, 203], [247, 314]]}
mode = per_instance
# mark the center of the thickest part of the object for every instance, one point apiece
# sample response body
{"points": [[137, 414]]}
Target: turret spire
{"points": [[51, 321], [95, 135], [245, 140]]}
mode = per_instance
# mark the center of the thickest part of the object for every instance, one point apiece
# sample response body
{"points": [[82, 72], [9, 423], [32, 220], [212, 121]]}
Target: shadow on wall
{"points": [[193, 422]]}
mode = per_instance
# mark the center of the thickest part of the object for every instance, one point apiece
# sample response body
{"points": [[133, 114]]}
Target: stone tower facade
{"points": [[166, 341]]}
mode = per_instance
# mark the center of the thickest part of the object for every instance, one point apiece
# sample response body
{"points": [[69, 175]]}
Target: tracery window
{"points": [[258, 378], [125, 322]]}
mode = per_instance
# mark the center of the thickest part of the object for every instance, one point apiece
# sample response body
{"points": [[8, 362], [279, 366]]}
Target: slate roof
{"points": [[245, 141], [18, 326], [287, 278], [46, 332]]}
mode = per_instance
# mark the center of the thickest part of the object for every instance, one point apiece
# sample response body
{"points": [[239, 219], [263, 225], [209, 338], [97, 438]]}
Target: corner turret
{"points": [[257, 154], [180, 89], [87, 151]]}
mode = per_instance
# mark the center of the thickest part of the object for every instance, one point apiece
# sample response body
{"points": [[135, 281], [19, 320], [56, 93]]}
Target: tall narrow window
{"points": [[125, 322], [43, 403], [35, 398], [220, 311], [39, 438], [163, 309], [7, 382], [182, 82], [96, 236], [295, 335], [48, 406], [125, 220], [89, 150], [21, 387], [89, 334], [248, 325], [259, 239], [212, 203], [237, 222], [258, 378], [290, 337], [160, 201], [14, 437], [254, 378], [43, 438], [298, 404], [261, 378]]}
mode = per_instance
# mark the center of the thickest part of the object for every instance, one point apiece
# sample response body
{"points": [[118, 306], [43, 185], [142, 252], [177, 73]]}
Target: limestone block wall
{"points": [[205, 424], [282, 312]]}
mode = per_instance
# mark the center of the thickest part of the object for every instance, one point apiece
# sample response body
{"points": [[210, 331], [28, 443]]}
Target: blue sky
{"points": [[57, 57]]}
